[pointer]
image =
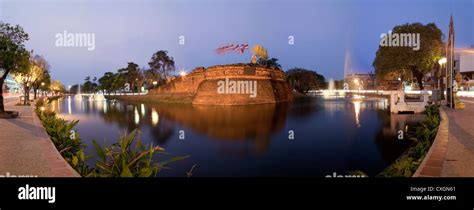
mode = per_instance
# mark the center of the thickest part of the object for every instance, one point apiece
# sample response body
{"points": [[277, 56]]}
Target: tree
{"points": [[57, 87], [151, 78], [13, 55], [43, 78], [162, 64], [407, 60], [304, 80], [106, 82], [27, 77], [90, 86], [133, 75], [118, 82], [270, 63]]}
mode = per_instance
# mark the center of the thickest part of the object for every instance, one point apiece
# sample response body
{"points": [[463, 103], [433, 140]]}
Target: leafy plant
{"points": [[124, 159], [65, 139]]}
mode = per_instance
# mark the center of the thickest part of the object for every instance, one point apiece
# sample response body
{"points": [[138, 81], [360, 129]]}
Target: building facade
{"points": [[360, 81], [10, 86], [464, 64]]}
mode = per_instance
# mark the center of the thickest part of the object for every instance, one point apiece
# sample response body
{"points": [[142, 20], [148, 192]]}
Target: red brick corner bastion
{"points": [[202, 85]]}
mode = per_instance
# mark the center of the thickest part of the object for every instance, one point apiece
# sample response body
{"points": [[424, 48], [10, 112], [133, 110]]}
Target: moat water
{"points": [[313, 136]]}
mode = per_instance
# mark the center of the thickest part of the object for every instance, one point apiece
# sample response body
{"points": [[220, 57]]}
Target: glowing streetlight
{"points": [[155, 83], [442, 61]]}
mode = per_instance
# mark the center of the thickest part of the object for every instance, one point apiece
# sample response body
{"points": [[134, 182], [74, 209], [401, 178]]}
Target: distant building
{"points": [[360, 81], [10, 86], [464, 63]]}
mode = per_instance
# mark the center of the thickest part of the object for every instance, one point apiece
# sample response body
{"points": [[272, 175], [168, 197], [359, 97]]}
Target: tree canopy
{"points": [[14, 57], [162, 64], [304, 80], [406, 60]]}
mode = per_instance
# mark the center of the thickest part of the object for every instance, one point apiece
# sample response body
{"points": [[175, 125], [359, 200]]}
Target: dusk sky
{"points": [[133, 30]]}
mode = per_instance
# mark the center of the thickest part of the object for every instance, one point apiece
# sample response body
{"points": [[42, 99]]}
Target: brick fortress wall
{"points": [[202, 84]]}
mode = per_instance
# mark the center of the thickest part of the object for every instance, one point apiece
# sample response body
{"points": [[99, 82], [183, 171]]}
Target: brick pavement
{"points": [[460, 154], [25, 148]]}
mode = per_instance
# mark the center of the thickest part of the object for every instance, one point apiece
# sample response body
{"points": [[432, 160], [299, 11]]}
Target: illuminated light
{"points": [[137, 116], [442, 61], [69, 111], [105, 106], [142, 109], [155, 118], [42, 108], [155, 82], [357, 112], [182, 73]]}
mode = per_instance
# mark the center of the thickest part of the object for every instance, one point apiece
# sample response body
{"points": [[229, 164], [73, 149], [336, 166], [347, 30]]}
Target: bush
{"points": [[124, 160], [65, 139], [422, 138]]}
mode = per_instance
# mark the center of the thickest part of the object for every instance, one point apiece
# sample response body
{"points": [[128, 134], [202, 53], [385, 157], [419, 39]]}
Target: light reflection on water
{"points": [[331, 134]]}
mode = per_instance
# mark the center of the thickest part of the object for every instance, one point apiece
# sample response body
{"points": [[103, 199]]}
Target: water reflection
{"points": [[154, 117], [357, 112], [331, 134]]}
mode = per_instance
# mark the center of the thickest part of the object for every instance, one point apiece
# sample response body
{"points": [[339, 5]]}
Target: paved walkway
{"points": [[25, 148], [460, 154]]}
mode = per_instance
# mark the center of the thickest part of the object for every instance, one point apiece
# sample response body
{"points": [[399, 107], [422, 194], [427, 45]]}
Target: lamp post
{"points": [[442, 63], [42, 89]]}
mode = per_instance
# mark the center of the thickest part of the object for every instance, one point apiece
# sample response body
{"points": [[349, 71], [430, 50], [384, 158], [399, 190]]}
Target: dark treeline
{"points": [[131, 78]]}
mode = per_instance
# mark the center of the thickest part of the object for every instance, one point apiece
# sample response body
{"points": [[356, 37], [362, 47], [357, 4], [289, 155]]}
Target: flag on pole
{"points": [[240, 48], [243, 48]]}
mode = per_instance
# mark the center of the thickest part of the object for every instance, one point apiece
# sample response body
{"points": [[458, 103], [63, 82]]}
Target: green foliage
{"points": [[405, 60], [304, 80], [127, 160], [404, 167], [424, 134], [269, 63], [90, 86], [67, 142], [14, 58], [161, 64]]}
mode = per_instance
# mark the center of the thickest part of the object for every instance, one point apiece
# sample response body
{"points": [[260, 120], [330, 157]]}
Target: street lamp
{"points": [[442, 61]]}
